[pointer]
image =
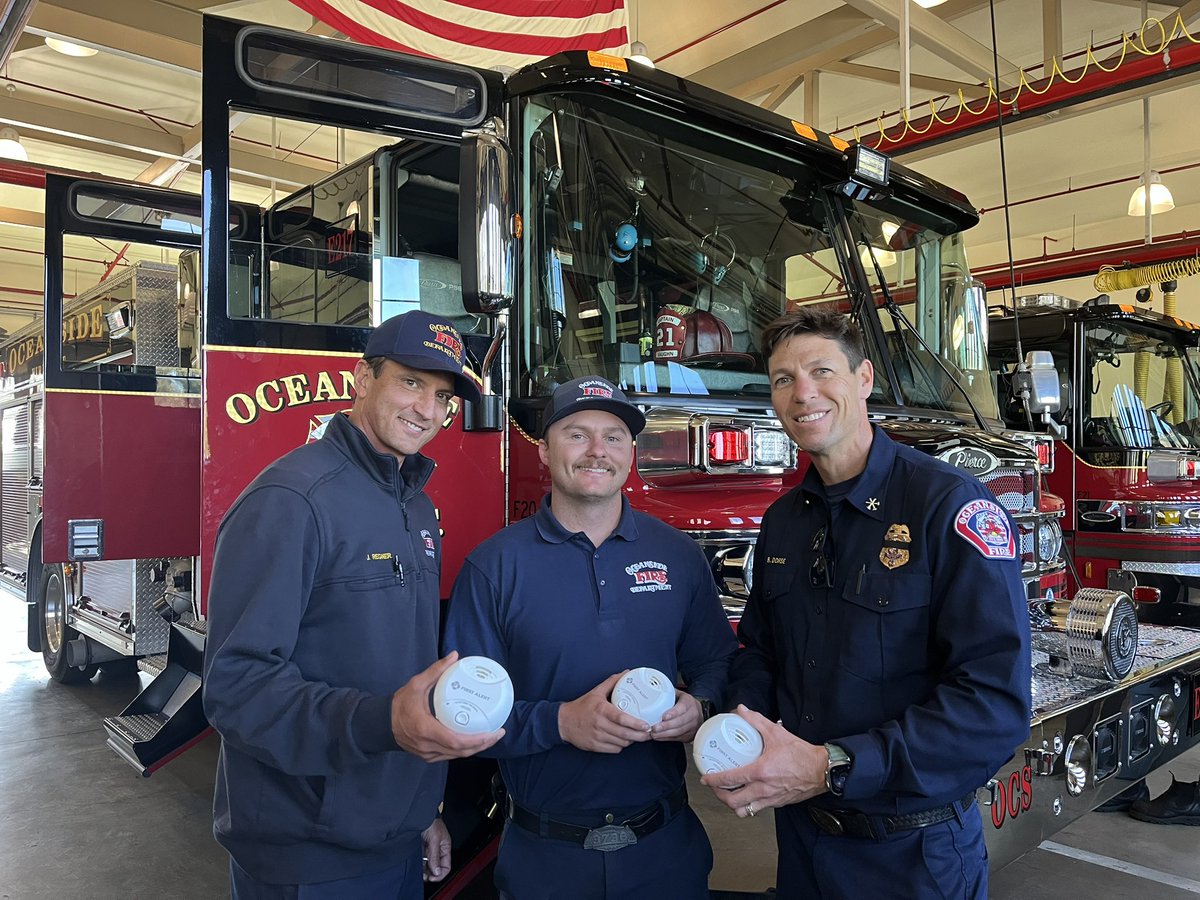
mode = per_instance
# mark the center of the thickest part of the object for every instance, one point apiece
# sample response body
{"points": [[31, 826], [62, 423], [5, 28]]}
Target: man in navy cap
{"points": [[322, 643], [567, 601]]}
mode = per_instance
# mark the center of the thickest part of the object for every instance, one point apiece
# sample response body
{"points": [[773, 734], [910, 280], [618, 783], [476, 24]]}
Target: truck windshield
{"points": [[658, 252], [1141, 387]]}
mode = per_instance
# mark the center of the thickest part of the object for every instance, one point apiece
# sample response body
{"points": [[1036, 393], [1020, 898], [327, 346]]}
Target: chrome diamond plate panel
{"points": [[156, 306], [1052, 693]]}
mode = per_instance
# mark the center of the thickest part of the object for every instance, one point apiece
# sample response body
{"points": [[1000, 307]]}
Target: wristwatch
{"points": [[837, 770], [707, 708]]}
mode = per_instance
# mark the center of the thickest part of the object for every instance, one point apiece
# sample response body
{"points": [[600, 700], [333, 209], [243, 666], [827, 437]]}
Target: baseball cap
{"points": [[592, 392], [425, 342]]}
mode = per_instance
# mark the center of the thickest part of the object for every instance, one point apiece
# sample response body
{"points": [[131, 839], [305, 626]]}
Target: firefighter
{"points": [[322, 644], [567, 601], [887, 630]]}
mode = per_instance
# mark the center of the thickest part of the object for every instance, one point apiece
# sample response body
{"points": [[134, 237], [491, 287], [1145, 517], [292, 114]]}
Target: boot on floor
{"points": [[1177, 805], [1123, 801]]}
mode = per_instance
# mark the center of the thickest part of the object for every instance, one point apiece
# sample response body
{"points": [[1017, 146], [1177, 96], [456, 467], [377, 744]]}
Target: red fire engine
{"points": [[588, 215], [1128, 441]]}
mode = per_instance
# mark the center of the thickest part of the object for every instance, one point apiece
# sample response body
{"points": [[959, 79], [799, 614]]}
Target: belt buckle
{"points": [[607, 838], [826, 821]]}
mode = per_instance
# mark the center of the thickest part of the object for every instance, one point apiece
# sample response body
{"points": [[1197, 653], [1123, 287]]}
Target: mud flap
{"points": [[167, 717]]}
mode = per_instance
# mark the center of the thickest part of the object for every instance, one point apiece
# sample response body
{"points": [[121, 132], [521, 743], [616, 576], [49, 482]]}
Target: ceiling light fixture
{"points": [[927, 4], [639, 53], [886, 258], [1160, 196], [10, 145], [68, 49]]}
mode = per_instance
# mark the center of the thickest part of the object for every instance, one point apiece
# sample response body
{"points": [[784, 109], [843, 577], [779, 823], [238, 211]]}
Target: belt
{"points": [[611, 835], [853, 823]]}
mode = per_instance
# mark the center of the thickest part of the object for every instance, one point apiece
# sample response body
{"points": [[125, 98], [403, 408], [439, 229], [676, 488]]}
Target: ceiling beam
{"points": [[1052, 35], [27, 218], [923, 82], [939, 36]]}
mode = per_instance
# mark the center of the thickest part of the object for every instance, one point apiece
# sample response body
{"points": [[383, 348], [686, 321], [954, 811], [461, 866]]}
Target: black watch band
{"points": [[707, 708]]}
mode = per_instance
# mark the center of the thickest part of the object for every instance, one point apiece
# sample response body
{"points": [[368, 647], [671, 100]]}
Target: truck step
{"points": [[152, 665], [167, 717], [141, 727]]}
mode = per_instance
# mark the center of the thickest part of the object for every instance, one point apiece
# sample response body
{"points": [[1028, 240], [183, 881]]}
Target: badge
{"points": [[984, 525], [895, 552]]}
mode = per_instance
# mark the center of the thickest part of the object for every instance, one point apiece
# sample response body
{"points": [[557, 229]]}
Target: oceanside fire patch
{"points": [[984, 526]]}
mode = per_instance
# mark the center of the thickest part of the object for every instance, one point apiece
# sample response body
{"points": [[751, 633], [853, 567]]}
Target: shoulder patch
{"points": [[984, 525]]}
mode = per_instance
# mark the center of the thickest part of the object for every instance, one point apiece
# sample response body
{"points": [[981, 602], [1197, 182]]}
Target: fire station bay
{"points": [[609, 449]]}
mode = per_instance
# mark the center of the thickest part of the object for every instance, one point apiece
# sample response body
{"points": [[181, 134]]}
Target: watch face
{"points": [[837, 779]]}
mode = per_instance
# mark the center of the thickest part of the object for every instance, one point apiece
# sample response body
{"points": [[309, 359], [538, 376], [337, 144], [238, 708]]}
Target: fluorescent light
{"points": [[1160, 197], [69, 49], [10, 145]]}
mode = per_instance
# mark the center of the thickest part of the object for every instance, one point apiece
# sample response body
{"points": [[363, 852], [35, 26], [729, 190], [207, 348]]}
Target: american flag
{"points": [[482, 33]]}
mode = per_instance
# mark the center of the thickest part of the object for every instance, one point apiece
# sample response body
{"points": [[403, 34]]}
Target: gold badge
{"points": [[894, 554]]}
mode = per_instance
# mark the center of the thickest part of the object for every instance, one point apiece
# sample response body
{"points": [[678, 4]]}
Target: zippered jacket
{"points": [[324, 601]]}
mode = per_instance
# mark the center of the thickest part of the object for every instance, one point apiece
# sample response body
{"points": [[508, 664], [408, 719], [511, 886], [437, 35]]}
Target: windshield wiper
{"points": [[894, 308]]}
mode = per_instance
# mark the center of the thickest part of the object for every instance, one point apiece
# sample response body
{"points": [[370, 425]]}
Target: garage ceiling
{"points": [[132, 110]]}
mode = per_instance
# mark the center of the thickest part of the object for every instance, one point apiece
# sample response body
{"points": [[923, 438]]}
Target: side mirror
{"points": [[488, 227]]}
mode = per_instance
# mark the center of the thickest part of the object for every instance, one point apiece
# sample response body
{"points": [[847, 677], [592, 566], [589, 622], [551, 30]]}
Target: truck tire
{"points": [[52, 614]]}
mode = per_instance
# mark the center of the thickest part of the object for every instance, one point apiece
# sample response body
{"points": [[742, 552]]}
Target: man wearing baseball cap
{"points": [[322, 643], [568, 601]]}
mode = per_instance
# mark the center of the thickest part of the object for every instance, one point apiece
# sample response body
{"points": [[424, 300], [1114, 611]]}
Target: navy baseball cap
{"points": [[425, 342], [592, 392]]}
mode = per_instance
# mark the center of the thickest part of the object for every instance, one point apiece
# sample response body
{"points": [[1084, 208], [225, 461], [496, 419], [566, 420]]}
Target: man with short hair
{"points": [[887, 629], [322, 644], [567, 601]]}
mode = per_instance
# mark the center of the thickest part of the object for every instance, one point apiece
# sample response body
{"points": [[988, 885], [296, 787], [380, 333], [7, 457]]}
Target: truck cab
{"points": [[1127, 440]]}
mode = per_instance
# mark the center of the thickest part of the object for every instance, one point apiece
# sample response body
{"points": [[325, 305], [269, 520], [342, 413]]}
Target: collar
{"points": [[553, 532], [381, 467], [867, 494]]}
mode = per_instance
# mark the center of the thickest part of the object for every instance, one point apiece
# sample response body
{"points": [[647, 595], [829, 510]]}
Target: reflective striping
{"points": [[1120, 865]]}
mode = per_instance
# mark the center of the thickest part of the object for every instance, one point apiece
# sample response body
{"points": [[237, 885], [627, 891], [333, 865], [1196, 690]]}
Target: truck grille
{"points": [[1014, 488]]}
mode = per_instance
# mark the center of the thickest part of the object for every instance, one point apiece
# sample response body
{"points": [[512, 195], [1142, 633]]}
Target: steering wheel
{"points": [[1162, 410]]}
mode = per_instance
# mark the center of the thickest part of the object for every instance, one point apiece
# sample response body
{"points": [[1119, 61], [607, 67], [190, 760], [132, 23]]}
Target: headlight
{"points": [[1049, 536], [773, 448]]}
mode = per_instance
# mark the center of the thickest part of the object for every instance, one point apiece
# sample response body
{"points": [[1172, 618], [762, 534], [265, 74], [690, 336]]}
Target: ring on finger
{"points": [[750, 810]]}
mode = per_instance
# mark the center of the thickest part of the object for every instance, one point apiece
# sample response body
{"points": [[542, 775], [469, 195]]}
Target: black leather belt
{"points": [[858, 824], [611, 834]]}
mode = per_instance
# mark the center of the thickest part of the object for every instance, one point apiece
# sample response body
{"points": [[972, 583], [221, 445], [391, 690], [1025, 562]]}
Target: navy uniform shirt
{"points": [[562, 616], [916, 659]]}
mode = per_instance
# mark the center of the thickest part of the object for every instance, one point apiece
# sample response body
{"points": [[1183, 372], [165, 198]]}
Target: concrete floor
{"points": [[77, 822]]}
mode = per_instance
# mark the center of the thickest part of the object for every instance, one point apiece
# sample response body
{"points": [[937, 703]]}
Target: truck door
{"points": [[122, 400]]}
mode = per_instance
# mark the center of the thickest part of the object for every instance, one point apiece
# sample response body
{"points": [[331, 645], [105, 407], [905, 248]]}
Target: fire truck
{"points": [[585, 215], [1127, 440]]}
